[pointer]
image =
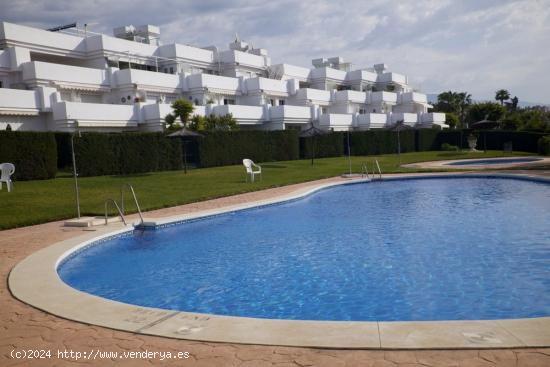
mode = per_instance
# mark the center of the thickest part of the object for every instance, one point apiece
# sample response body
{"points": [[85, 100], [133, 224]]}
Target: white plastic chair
{"points": [[248, 164], [6, 170]]}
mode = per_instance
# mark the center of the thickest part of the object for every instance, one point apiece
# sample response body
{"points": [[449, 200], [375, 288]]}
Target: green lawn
{"points": [[33, 202]]}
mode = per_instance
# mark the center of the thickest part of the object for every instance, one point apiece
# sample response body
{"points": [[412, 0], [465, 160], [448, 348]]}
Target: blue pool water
{"points": [[429, 249], [472, 162]]}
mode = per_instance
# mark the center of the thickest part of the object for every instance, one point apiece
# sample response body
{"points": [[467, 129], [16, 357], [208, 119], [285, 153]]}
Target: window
{"points": [[171, 70], [228, 101], [272, 102], [323, 110], [361, 111], [281, 102], [1, 85]]}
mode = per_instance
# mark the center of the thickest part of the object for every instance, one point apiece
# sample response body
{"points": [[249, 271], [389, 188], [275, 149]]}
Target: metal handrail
{"points": [[378, 166], [365, 170], [127, 185], [117, 208]]}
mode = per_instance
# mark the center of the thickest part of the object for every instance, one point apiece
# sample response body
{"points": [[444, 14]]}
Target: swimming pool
{"points": [[475, 162], [437, 249]]}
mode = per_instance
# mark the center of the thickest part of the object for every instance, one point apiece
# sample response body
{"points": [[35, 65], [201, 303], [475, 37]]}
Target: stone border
{"points": [[446, 164], [35, 281]]}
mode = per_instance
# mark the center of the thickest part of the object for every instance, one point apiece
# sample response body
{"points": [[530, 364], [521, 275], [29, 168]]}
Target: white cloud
{"points": [[470, 45]]}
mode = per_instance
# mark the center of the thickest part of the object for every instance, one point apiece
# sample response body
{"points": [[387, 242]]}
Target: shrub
{"points": [[328, 145], [34, 154], [448, 147], [220, 148], [374, 142], [544, 145], [126, 153]]}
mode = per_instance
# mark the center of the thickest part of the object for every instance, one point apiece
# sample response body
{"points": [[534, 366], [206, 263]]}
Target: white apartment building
{"points": [[55, 81]]}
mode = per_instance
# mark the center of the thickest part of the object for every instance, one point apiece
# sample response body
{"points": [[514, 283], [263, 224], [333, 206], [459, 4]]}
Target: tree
{"points": [[182, 109], [451, 119], [502, 95], [214, 123], [514, 104], [454, 102], [490, 110]]}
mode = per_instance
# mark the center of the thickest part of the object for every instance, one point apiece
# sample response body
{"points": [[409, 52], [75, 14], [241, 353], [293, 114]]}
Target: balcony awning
{"points": [[224, 92], [19, 111], [81, 87]]}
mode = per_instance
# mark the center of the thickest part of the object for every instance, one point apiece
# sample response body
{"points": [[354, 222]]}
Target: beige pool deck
{"points": [[228, 341]]}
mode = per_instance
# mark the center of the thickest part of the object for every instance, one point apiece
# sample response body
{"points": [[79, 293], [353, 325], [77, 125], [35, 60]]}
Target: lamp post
{"points": [[75, 175]]}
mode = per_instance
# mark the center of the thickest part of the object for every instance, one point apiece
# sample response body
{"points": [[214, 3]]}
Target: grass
{"points": [[33, 202]]}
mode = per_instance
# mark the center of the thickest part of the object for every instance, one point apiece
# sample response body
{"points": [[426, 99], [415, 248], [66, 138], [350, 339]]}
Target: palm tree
{"points": [[502, 95], [464, 100]]}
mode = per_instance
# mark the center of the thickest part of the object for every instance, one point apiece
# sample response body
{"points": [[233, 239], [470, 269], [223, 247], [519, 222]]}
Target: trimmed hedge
{"points": [[328, 145], [374, 142], [127, 153], [226, 148], [34, 154], [544, 145]]}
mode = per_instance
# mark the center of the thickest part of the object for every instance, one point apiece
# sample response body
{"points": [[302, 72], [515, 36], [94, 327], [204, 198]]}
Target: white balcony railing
{"points": [[433, 117], [361, 75], [388, 97], [65, 76], [148, 80], [336, 121], [19, 102], [95, 115], [413, 97], [409, 119], [372, 121], [291, 113], [287, 71], [392, 78], [245, 115], [328, 73], [242, 58], [314, 95], [268, 86], [213, 83], [351, 96]]}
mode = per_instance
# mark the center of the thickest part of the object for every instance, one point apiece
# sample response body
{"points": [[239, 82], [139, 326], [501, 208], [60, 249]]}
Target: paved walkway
{"points": [[24, 328]]}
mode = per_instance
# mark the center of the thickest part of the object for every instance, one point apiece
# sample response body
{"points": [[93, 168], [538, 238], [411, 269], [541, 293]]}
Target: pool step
{"points": [[89, 221]]}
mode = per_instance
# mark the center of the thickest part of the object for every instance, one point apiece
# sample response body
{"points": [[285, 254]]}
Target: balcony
{"points": [[42, 41], [316, 96], [19, 102], [270, 87], [287, 71], [351, 96], [433, 117], [148, 80], [413, 97], [336, 121], [96, 115], [290, 114], [372, 121], [213, 83], [357, 76], [243, 58], [101, 45], [245, 115], [386, 97], [38, 73], [193, 55], [409, 119], [392, 78], [328, 73]]}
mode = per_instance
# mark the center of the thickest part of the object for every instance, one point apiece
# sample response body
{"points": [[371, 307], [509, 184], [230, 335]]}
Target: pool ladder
{"points": [[120, 209], [375, 166]]}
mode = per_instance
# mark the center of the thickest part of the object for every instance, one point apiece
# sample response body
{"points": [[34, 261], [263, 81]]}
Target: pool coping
{"points": [[446, 164], [35, 281]]}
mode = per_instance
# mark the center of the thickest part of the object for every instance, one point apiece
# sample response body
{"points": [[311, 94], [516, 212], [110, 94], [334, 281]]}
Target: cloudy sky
{"points": [[477, 46]]}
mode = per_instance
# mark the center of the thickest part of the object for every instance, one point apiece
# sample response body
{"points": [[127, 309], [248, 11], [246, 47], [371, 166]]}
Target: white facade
{"points": [[51, 81]]}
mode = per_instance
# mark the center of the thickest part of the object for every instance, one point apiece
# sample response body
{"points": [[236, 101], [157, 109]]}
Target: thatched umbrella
{"points": [[184, 133], [312, 132], [485, 124]]}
